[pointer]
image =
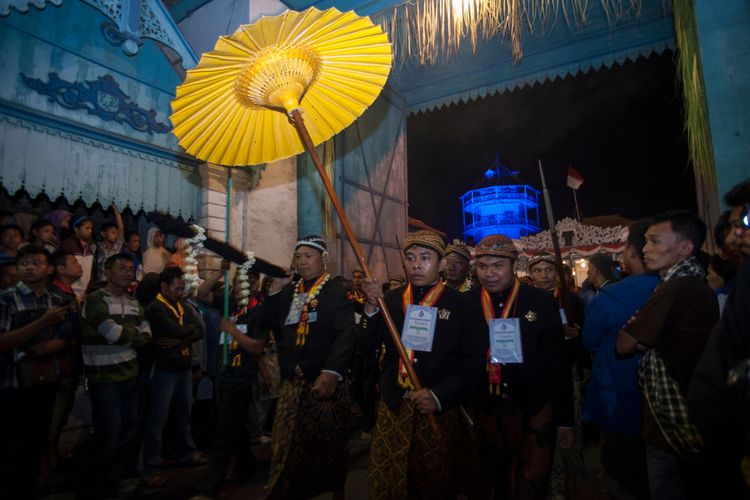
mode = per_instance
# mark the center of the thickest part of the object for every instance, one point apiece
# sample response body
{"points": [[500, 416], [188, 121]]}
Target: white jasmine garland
{"points": [[242, 276], [311, 295], [192, 247]]}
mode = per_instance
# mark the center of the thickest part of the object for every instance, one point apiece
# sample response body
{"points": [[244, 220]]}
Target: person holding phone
{"points": [[32, 329]]}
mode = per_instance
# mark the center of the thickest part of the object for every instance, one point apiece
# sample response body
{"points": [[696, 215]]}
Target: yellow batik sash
{"points": [[494, 370], [303, 328], [406, 298], [179, 313]]}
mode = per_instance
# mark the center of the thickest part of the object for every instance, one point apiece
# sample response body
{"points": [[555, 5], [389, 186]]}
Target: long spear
{"points": [[401, 254], [564, 298]]}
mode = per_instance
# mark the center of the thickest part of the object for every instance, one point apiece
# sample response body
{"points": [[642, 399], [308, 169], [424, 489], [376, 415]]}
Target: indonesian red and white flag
{"points": [[574, 178]]}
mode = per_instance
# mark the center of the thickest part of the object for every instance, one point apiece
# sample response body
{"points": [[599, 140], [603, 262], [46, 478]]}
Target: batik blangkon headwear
{"points": [[425, 239], [459, 249], [496, 245], [542, 257]]}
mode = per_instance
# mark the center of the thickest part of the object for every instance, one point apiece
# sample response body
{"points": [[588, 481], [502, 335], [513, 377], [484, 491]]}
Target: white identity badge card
{"points": [[225, 338], [295, 310], [419, 327], [563, 316], [505, 341]]}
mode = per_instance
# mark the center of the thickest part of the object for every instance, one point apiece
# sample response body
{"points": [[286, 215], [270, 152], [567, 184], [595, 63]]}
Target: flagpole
{"points": [[575, 200]]}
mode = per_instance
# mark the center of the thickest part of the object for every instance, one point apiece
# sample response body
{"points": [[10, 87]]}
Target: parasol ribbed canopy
{"points": [[233, 107]]}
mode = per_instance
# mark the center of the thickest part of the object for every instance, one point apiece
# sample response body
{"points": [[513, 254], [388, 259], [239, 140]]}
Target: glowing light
{"points": [[461, 9]]}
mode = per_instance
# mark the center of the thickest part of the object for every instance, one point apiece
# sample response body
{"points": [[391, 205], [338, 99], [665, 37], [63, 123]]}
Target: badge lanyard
{"points": [[406, 299], [179, 313], [494, 370]]}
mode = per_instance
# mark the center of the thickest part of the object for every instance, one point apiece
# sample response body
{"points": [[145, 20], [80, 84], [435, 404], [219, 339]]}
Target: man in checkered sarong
{"points": [[672, 329]]}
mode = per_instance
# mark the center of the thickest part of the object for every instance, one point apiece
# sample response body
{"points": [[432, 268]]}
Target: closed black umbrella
{"points": [[170, 225]]}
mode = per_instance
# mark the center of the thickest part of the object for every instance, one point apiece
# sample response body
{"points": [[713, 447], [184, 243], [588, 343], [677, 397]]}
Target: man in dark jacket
{"points": [[526, 399], [718, 397], [236, 372], [175, 326], [446, 348], [672, 328], [314, 322]]}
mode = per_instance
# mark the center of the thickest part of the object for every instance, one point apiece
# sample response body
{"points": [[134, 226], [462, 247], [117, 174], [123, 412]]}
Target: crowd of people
{"points": [[497, 374]]}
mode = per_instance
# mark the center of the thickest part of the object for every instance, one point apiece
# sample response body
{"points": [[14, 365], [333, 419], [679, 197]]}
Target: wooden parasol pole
{"points": [[299, 124]]}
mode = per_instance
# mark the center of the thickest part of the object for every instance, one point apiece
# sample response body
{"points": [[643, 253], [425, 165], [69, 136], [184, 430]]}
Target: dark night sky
{"points": [[621, 128]]}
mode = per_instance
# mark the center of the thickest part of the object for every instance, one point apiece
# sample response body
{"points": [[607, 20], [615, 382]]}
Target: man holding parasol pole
{"points": [[280, 87], [446, 348]]}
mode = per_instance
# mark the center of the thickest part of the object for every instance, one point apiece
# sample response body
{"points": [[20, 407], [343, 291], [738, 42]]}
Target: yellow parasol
{"points": [[232, 107], [244, 102]]}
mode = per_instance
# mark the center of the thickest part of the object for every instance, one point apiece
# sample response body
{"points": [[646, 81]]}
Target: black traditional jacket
{"points": [[545, 374], [454, 367], [329, 344]]}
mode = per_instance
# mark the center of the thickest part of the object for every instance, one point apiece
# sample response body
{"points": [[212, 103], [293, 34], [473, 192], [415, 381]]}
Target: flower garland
{"points": [[310, 302], [192, 247], [242, 276]]}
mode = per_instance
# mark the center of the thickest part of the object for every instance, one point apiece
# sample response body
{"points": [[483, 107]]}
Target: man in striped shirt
{"points": [[114, 325]]}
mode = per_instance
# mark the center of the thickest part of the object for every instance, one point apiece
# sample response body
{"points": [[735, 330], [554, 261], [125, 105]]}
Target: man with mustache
{"points": [[457, 267], [313, 320]]}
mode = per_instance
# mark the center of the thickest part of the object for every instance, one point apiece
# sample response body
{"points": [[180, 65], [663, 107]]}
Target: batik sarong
{"points": [[406, 459], [568, 468], [515, 452], [309, 442]]}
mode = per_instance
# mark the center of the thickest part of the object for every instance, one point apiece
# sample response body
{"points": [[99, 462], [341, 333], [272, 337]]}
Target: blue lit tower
{"points": [[500, 205]]}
